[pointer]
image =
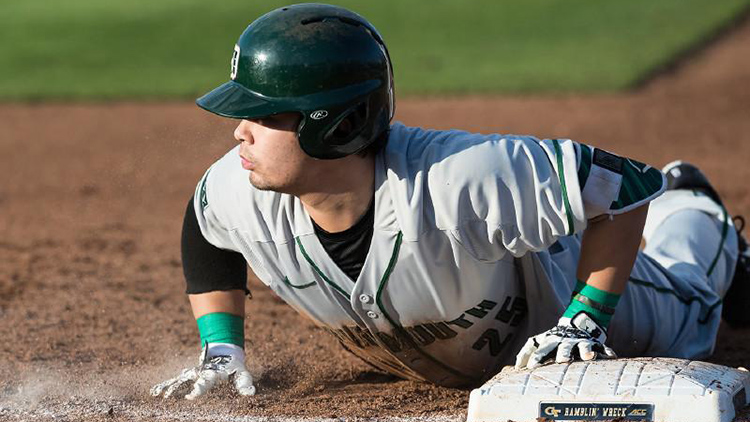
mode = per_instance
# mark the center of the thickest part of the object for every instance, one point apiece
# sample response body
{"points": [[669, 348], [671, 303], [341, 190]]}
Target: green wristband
{"points": [[579, 286], [221, 327], [599, 304]]}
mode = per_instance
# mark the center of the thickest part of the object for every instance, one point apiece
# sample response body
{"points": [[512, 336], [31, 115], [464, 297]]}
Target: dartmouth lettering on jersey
{"points": [[512, 312], [397, 341]]}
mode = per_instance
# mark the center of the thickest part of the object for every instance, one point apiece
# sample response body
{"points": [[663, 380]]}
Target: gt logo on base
{"points": [[596, 411]]}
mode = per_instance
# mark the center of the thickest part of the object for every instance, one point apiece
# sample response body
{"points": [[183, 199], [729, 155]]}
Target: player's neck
{"points": [[343, 196]]}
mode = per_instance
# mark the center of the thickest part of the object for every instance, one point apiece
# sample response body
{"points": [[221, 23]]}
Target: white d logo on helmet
{"points": [[319, 114], [235, 59]]}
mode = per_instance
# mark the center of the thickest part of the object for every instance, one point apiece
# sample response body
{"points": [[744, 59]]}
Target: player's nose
{"points": [[242, 132]]}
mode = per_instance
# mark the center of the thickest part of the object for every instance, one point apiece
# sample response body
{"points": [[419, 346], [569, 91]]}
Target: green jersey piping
{"points": [[298, 286], [584, 166], [686, 301], [319, 272], [202, 196], [396, 326], [563, 186], [724, 229]]}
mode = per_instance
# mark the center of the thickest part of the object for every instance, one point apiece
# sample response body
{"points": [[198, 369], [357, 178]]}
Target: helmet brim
{"points": [[233, 100]]}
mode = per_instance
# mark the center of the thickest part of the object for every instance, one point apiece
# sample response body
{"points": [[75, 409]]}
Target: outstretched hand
{"points": [[578, 337], [218, 363]]}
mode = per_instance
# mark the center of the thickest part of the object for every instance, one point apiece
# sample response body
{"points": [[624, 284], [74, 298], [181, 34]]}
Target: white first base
{"points": [[640, 389]]}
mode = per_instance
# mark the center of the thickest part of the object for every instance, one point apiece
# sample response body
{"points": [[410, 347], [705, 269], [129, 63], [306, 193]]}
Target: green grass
{"points": [[181, 48]]}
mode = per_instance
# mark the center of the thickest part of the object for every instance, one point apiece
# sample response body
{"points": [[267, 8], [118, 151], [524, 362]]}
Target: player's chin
{"points": [[260, 183], [257, 181]]}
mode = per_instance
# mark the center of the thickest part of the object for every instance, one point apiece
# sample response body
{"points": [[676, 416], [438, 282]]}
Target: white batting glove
{"points": [[218, 362], [579, 336]]}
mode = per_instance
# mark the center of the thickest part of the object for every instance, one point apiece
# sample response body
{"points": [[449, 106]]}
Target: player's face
{"points": [[269, 148]]}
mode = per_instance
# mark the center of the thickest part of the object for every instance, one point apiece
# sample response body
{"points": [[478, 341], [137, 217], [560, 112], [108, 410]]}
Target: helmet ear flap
{"points": [[350, 125]]}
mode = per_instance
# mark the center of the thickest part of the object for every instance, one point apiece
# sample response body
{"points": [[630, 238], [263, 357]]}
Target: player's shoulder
{"points": [[421, 144], [452, 176], [226, 192], [455, 156], [224, 180]]}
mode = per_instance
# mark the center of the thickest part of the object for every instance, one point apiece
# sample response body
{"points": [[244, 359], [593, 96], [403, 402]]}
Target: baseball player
{"points": [[435, 255]]}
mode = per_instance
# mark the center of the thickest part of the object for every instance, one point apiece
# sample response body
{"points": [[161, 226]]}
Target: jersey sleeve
{"points": [[494, 194], [540, 200], [498, 194], [223, 204], [208, 220], [544, 196], [612, 185]]}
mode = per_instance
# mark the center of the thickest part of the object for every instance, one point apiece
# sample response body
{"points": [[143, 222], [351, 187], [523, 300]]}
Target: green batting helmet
{"points": [[324, 62]]}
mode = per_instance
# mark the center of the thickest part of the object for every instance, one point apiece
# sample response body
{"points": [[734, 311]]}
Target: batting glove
{"points": [[579, 337], [218, 363]]}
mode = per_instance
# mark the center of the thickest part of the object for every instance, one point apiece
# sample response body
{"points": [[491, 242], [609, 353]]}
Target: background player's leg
{"points": [[693, 243], [672, 306]]}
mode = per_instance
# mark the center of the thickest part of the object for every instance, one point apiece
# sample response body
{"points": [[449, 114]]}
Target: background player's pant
{"points": [[672, 304]]}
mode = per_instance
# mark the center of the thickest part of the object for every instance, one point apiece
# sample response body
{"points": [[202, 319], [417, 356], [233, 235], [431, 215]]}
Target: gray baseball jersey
{"points": [[474, 249]]}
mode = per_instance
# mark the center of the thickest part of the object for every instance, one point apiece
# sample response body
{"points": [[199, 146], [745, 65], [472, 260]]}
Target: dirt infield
{"points": [[92, 310]]}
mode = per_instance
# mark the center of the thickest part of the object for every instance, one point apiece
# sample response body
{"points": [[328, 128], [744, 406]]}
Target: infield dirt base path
{"points": [[92, 310]]}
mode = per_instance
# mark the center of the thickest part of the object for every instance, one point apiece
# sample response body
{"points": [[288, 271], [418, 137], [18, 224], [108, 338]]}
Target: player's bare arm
{"points": [[229, 301], [608, 250], [220, 316], [216, 289]]}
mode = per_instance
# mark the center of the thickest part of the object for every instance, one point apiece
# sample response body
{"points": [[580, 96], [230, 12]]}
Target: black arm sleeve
{"points": [[206, 267]]}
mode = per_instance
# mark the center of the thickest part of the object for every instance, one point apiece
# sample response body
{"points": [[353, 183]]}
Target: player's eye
{"points": [[287, 121]]}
